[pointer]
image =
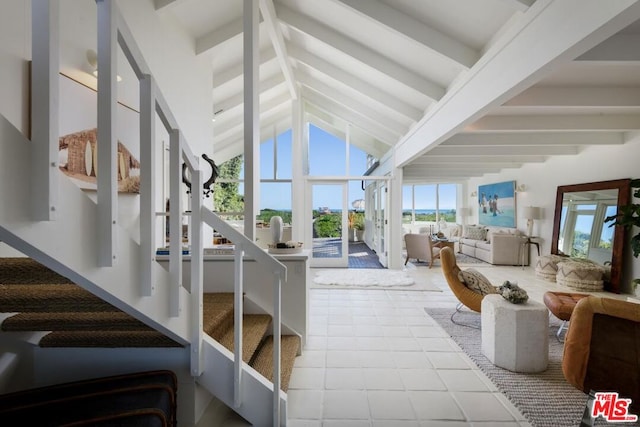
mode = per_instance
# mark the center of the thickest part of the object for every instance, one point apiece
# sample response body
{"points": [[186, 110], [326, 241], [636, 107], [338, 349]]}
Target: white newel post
{"points": [[147, 184]]}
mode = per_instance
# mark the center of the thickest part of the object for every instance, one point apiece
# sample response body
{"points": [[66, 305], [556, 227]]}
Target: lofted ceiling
{"points": [[459, 88]]}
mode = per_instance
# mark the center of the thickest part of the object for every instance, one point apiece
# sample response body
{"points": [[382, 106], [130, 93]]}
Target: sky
{"points": [[327, 157]]}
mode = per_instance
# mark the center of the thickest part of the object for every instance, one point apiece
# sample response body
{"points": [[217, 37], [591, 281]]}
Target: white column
{"points": [[297, 183], [251, 117], [394, 247], [107, 141], [45, 82]]}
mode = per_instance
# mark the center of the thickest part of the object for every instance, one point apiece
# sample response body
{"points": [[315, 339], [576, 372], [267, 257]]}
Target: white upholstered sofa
{"points": [[498, 246]]}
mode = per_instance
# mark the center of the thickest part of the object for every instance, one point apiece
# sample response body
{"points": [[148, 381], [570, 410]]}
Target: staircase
{"points": [[34, 298]]}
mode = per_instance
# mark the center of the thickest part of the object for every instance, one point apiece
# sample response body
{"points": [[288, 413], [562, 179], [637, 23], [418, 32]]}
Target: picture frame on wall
{"points": [[497, 204]]}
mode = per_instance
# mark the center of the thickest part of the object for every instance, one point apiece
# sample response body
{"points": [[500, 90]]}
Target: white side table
{"points": [[515, 336]]}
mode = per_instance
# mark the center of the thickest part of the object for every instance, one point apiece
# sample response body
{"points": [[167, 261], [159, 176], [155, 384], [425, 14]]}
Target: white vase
{"points": [[276, 229]]}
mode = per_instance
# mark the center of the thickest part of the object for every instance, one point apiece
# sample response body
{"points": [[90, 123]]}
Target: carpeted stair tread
{"points": [[49, 298], [107, 339], [217, 313], [263, 360], [254, 326], [27, 271], [73, 321]]}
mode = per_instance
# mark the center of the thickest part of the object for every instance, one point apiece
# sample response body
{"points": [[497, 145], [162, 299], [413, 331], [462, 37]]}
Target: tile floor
{"points": [[374, 358]]}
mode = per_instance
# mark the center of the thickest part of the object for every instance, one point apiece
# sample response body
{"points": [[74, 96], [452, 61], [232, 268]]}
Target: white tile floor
{"points": [[374, 358]]}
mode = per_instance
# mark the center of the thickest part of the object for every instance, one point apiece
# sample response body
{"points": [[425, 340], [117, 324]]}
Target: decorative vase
{"points": [[276, 229]]}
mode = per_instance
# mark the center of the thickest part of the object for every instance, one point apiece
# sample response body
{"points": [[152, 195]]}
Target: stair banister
{"points": [[45, 65], [197, 261], [238, 310]]}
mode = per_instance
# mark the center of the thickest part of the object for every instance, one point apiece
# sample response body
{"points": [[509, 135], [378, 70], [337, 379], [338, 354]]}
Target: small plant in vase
{"points": [[628, 216]]}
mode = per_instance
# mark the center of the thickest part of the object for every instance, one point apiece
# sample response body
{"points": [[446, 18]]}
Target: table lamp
{"points": [[531, 213]]}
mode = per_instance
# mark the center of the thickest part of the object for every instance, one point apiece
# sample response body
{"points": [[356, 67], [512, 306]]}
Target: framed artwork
{"points": [[497, 204], [78, 154]]}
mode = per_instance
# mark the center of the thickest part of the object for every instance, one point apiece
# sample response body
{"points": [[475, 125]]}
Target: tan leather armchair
{"points": [[420, 246], [450, 269], [602, 348]]}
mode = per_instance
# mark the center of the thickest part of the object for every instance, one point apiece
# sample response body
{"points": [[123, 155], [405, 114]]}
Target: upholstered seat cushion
{"points": [[561, 304]]}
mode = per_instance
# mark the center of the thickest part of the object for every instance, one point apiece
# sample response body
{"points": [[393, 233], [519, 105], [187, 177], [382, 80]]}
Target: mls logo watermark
{"points": [[608, 405]]}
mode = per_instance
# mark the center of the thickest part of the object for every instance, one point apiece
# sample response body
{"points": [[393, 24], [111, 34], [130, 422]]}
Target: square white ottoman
{"points": [[515, 336]]}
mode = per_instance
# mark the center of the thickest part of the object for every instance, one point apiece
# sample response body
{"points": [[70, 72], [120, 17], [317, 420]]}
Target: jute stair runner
{"points": [[46, 301]]}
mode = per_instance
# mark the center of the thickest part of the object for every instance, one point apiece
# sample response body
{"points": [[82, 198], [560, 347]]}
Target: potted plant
{"points": [[628, 216], [356, 226]]}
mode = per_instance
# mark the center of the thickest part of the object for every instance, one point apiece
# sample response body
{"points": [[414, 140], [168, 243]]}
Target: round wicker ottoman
{"points": [[581, 276], [547, 266]]}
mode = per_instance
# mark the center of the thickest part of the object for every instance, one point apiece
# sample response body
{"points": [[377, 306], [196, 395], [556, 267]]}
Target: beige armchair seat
{"points": [[420, 246]]}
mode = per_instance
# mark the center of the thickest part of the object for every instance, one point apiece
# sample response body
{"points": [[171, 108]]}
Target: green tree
{"points": [[328, 225], [225, 196]]}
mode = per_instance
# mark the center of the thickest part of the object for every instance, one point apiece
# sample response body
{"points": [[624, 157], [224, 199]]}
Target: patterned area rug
{"points": [[545, 398]]}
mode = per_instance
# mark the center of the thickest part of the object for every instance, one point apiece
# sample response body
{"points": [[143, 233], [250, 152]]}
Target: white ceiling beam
{"points": [[375, 94], [167, 4], [566, 122], [620, 47], [348, 102], [527, 150], [453, 173], [234, 71], [520, 5], [224, 128], [220, 35], [367, 125], [538, 138], [360, 52], [277, 40], [413, 29], [577, 96], [237, 100], [432, 164], [528, 51], [515, 160]]}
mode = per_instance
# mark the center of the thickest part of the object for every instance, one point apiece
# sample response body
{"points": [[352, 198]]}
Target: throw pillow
{"points": [[475, 281], [513, 293], [475, 233]]}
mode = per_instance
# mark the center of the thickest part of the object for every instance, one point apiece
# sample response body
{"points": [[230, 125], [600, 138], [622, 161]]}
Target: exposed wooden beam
{"points": [[520, 5], [509, 66], [590, 122], [360, 52], [461, 159], [234, 72], [577, 96], [534, 139], [358, 85], [277, 40], [552, 150], [224, 128], [449, 48], [350, 103], [167, 4], [234, 102]]}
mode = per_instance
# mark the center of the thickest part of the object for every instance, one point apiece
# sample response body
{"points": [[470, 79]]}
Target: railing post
{"points": [[147, 184], [107, 141], [45, 89], [238, 309], [277, 332], [175, 219], [197, 255]]}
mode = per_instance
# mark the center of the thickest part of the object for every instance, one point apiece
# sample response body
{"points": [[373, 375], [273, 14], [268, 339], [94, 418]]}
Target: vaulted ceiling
{"points": [[459, 88]]}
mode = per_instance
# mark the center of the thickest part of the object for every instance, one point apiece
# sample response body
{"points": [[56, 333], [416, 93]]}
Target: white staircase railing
{"points": [[113, 32]]}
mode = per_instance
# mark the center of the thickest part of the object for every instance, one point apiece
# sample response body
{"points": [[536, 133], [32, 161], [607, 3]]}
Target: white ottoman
{"points": [[515, 336]]}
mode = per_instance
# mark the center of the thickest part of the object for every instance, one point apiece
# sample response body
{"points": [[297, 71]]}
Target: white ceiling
{"points": [[391, 68]]}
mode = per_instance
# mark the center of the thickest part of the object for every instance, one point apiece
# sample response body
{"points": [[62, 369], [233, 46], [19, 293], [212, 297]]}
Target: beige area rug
{"points": [[364, 278]]}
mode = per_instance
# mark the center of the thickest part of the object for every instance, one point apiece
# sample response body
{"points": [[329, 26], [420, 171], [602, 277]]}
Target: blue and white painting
{"points": [[497, 204]]}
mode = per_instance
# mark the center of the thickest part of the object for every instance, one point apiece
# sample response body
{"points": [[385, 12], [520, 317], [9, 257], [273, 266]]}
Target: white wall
{"points": [[594, 163], [183, 78]]}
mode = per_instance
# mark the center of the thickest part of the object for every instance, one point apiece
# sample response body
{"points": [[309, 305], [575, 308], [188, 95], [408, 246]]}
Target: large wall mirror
{"points": [[579, 229]]}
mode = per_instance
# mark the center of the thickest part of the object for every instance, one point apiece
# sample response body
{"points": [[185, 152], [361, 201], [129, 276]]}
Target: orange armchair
{"points": [[450, 269]]}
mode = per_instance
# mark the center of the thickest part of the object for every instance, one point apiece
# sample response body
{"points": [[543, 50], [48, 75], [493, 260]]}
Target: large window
{"points": [[423, 204]]}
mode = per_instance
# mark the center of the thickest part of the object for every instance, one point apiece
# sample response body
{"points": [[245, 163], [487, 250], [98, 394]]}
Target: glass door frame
{"points": [[334, 262]]}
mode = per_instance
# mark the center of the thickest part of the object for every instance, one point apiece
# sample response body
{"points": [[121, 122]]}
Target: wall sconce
{"points": [[531, 213], [92, 59], [521, 188], [474, 194]]}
